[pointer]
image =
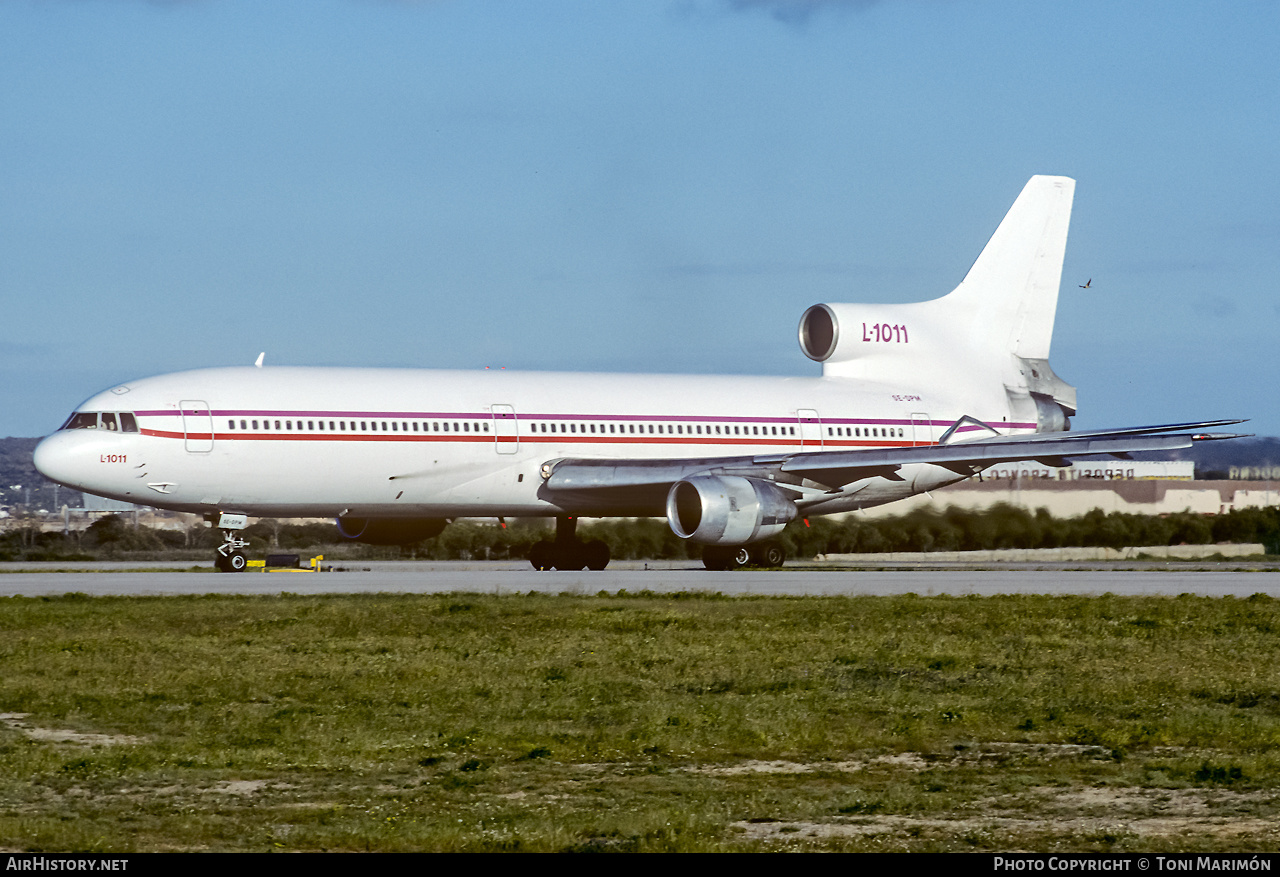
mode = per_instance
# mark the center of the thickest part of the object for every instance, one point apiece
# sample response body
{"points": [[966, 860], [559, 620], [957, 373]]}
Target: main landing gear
{"points": [[230, 554], [770, 555], [568, 552]]}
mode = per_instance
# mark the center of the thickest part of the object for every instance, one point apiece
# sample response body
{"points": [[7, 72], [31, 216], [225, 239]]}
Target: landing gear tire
{"points": [[540, 555], [233, 562], [569, 556], [725, 557], [597, 554], [770, 555]]}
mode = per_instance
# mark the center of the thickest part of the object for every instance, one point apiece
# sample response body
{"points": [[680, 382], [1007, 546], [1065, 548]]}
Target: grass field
{"points": [[639, 722]]}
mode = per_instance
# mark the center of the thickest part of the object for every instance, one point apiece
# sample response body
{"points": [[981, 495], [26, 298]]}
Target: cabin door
{"points": [[921, 429], [506, 429], [197, 426], [810, 428]]}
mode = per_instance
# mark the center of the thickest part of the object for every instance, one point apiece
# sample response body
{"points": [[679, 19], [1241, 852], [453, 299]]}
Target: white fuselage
{"points": [[424, 444]]}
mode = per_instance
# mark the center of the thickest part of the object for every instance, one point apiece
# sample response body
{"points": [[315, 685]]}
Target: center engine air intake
{"points": [[727, 509], [819, 333]]}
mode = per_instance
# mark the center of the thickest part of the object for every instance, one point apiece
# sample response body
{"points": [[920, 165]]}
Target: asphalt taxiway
{"points": [[1237, 579]]}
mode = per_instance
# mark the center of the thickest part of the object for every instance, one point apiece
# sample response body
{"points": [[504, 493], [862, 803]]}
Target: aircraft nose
{"points": [[54, 459]]}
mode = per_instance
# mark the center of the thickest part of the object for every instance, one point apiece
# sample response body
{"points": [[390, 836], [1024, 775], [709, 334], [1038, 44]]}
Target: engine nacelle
{"points": [[727, 509], [390, 531]]}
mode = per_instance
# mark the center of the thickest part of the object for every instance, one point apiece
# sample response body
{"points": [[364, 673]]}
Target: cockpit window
{"points": [[108, 420], [82, 420]]}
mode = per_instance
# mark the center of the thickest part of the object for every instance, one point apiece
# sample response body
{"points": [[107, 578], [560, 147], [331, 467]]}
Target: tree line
{"points": [[951, 529]]}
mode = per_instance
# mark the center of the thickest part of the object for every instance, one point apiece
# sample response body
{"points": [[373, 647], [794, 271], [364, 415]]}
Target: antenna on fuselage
{"points": [[257, 363]]}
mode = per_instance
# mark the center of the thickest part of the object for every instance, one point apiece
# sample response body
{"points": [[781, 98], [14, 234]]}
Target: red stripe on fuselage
{"points": [[532, 439]]}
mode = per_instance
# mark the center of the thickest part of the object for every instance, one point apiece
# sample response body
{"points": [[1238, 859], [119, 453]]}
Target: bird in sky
{"points": [[1087, 283]]}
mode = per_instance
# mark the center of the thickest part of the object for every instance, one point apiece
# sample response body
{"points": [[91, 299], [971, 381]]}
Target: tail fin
{"points": [[1011, 292], [996, 325]]}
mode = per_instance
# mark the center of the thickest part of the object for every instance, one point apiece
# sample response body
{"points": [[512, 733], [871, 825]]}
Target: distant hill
{"points": [[16, 468], [1214, 459]]}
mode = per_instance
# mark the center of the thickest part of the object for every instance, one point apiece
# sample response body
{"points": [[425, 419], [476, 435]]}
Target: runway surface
{"points": [[1205, 579]]}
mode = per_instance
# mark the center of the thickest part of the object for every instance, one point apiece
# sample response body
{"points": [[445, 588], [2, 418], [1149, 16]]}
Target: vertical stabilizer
{"points": [[1011, 292]]}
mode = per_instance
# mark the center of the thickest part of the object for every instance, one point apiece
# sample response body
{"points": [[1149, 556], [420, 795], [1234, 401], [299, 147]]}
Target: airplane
{"points": [[912, 397]]}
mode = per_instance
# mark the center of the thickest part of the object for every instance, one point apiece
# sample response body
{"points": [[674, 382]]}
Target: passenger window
{"points": [[255, 424], [311, 424]]}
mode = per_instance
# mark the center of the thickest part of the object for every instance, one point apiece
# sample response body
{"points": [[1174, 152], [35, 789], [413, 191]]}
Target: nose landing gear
{"points": [[230, 554]]}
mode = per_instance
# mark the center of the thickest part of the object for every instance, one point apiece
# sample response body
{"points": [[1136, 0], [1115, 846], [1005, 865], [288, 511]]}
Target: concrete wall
{"points": [[1049, 555], [1070, 499]]}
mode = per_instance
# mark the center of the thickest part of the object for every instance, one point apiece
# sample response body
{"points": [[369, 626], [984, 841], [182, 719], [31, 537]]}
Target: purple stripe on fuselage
{"points": [[614, 418]]}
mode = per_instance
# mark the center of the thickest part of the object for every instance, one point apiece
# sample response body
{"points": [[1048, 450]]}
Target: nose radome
{"points": [[54, 459]]}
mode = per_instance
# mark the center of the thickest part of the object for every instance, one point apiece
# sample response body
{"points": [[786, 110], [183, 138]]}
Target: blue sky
{"points": [[642, 186]]}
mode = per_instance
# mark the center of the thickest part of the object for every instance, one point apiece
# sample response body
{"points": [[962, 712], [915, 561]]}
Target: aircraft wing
{"points": [[585, 485]]}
